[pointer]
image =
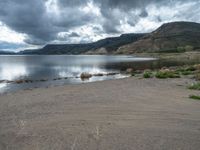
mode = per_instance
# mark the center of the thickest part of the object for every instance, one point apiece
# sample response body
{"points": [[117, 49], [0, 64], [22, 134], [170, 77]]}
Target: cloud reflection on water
{"points": [[12, 72], [51, 68], [74, 71]]}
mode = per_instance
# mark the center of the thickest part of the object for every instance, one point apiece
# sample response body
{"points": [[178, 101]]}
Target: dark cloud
{"points": [[42, 20], [32, 18], [74, 34], [144, 13], [72, 3], [27, 17]]}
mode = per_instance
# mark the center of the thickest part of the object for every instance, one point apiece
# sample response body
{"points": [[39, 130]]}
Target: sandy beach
{"points": [[125, 114]]}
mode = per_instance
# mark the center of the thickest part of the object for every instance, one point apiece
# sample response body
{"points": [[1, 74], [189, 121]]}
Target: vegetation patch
{"points": [[195, 97], [132, 74], [148, 74], [185, 73], [172, 72], [197, 76], [167, 74], [188, 70], [195, 86]]}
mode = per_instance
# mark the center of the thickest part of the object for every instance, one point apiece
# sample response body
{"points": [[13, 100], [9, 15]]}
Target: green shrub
{"points": [[190, 68], [189, 48], [195, 86], [195, 97], [148, 74], [167, 74], [186, 72], [180, 49]]}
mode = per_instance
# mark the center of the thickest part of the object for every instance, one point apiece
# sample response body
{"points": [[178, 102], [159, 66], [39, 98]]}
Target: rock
{"points": [[138, 72], [197, 67], [85, 75], [129, 70], [173, 68], [164, 68], [19, 81], [99, 74], [111, 73], [28, 81], [43, 80]]}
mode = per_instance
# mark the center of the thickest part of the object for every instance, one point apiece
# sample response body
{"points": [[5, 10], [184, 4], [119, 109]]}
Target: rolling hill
{"points": [[170, 37], [105, 46]]}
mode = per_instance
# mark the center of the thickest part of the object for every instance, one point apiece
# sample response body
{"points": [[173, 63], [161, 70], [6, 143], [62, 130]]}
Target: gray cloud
{"points": [[27, 17], [74, 34], [42, 20]]}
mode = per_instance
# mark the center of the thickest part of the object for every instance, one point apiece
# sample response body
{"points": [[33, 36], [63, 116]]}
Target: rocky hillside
{"points": [[105, 46], [170, 37]]}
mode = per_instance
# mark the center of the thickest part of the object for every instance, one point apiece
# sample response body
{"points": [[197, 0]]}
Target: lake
{"points": [[45, 70], [48, 70]]}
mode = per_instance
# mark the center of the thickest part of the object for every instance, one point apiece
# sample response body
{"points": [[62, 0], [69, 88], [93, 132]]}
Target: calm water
{"points": [[68, 68], [47, 71]]}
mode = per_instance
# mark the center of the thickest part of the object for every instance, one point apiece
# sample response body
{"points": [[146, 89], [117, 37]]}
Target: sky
{"points": [[29, 24]]}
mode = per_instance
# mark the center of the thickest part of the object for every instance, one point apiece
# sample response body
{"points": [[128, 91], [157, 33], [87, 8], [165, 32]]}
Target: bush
{"points": [[186, 70], [195, 97], [186, 73], [167, 74], [148, 74], [180, 49], [189, 48], [195, 86]]}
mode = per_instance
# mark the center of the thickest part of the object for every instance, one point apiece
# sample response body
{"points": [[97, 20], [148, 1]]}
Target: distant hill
{"points": [[6, 53], [105, 46], [170, 37]]}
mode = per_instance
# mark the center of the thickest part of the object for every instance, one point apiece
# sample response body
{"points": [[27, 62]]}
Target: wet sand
{"points": [[125, 114]]}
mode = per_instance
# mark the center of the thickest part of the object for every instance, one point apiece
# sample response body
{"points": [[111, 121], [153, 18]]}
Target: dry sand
{"points": [[125, 114]]}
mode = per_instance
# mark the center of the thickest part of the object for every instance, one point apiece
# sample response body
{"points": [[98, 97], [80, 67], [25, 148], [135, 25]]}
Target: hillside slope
{"points": [[109, 45], [170, 37]]}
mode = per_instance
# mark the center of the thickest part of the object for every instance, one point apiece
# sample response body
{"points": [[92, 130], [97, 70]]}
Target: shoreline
{"points": [[114, 114]]}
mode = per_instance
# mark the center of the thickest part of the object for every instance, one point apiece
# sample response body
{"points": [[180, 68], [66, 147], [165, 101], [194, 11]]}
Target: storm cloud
{"points": [[67, 21]]}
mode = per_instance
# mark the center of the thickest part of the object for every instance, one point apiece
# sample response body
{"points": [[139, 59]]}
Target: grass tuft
{"points": [[195, 97], [195, 86], [148, 74], [167, 74]]}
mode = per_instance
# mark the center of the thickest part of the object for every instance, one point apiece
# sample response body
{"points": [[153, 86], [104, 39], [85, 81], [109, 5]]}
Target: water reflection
{"points": [[75, 71], [2, 85], [12, 72], [51, 68]]}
